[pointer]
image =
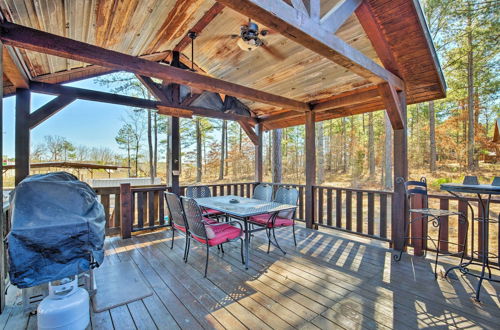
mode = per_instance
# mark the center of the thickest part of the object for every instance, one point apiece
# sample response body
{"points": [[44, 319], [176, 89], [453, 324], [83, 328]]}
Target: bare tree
{"points": [[277, 164], [371, 145], [320, 152], [432, 137]]}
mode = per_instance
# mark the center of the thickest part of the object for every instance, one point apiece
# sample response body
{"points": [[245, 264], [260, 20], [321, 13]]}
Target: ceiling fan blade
{"points": [[273, 52]]}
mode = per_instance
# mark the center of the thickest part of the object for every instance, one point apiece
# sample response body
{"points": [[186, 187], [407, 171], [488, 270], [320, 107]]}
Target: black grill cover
{"points": [[57, 224]]}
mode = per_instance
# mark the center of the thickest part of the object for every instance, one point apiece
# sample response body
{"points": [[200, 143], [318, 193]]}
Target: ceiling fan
{"points": [[251, 38]]}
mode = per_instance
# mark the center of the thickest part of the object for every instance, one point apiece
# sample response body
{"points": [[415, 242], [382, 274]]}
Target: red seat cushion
{"points": [[211, 212], [263, 220], [223, 233], [209, 221], [181, 228]]}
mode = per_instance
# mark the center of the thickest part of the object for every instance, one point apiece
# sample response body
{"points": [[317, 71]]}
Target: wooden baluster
{"points": [[126, 214], [444, 204], [117, 210], [338, 208], [140, 210], [383, 215], [329, 209], [371, 213], [161, 208], [319, 216], [151, 208], [359, 212], [417, 228], [348, 210], [105, 204], [301, 203]]}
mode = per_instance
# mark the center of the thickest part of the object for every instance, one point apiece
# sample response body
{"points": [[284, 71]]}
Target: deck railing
{"points": [[358, 211]]}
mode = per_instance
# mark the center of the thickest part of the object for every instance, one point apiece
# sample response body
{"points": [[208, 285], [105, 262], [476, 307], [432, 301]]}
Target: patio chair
{"points": [[263, 192], [284, 195], [211, 234], [177, 219], [202, 192], [429, 215]]}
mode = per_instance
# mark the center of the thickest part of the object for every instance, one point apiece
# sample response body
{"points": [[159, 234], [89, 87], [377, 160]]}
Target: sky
{"points": [[82, 122]]}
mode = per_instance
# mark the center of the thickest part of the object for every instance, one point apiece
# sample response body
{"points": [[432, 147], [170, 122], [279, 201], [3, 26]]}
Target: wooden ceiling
{"points": [[152, 28]]}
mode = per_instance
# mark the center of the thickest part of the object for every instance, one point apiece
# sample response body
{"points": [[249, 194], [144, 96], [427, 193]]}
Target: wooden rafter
{"points": [[337, 16], [392, 105], [167, 109], [49, 109], [13, 70], [344, 100], [299, 5], [208, 17], [35, 40], [304, 30], [154, 89], [250, 132], [377, 38]]}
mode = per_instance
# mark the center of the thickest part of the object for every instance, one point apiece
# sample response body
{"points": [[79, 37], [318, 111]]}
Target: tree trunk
{"points": [[150, 147], [277, 165], [198, 150], [470, 94], [371, 145], [329, 154], [223, 150], [168, 152], [128, 159], [432, 136], [320, 177], [388, 154]]}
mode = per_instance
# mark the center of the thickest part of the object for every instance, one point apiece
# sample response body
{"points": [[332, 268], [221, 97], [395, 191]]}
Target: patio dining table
{"points": [[243, 208]]}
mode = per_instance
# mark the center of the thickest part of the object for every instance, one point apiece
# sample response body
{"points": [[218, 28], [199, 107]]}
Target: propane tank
{"points": [[66, 306]]}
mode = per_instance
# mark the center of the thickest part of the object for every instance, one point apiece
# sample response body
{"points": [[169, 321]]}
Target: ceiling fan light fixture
{"points": [[248, 45]]}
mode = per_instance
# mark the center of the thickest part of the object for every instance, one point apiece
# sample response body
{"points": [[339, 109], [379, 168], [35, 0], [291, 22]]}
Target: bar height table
{"points": [[483, 221], [243, 209]]}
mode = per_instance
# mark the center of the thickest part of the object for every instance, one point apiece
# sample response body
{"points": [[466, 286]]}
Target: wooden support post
{"points": [[259, 153], [310, 168], [125, 210], [399, 207], [22, 149], [2, 220], [175, 148]]}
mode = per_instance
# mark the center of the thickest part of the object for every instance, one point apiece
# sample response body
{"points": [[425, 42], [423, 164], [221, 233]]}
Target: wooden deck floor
{"points": [[331, 280]]}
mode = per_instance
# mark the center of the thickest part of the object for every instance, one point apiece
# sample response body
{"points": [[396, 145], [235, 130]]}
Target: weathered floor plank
{"points": [[330, 280]]}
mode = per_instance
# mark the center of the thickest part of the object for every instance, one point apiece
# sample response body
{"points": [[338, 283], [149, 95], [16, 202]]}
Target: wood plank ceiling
{"points": [[154, 27]]}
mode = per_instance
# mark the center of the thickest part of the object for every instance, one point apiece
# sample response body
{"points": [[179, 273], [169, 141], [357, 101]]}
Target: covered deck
{"points": [[330, 280]]}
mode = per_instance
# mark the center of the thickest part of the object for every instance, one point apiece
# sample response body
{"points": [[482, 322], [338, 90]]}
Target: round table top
{"points": [[471, 188]]}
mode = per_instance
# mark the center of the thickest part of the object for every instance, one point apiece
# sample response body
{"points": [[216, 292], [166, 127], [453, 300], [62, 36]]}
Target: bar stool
{"points": [[429, 215]]}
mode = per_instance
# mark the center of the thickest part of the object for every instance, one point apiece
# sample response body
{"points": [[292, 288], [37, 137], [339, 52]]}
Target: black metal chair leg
{"points": [[241, 251], [222, 248], [268, 233], [173, 236], [185, 248], [206, 263], [276, 241], [437, 251], [188, 247], [293, 230], [397, 257]]}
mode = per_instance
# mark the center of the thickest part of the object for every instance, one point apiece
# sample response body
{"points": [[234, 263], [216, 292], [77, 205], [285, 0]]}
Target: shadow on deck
{"points": [[330, 280]]}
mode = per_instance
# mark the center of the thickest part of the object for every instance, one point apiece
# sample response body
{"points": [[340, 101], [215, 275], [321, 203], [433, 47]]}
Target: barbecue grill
{"points": [[57, 229]]}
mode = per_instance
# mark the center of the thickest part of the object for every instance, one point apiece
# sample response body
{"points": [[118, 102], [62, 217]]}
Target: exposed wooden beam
{"points": [[208, 17], [174, 111], [90, 95], [377, 38], [392, 105], [39, 41], [349, 99], [154, 89], [13, 70], [299, 5], [49, 109], [298, 27], [250, 132], [314, 9], [337, 16]]}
